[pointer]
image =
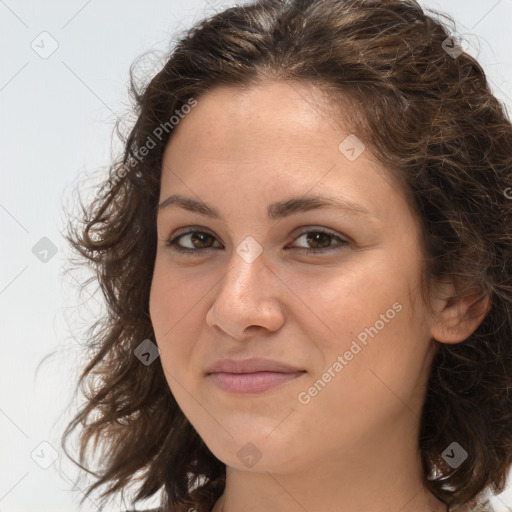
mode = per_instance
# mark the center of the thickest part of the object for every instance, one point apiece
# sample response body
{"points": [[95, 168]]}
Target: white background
{"points": [[57, 117]]}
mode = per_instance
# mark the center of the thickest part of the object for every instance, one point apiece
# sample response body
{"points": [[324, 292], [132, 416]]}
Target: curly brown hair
{"points": [[428, 115]]}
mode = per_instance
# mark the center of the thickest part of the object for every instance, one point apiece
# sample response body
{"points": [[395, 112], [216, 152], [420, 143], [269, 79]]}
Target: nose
{"points": [[248, 299]]}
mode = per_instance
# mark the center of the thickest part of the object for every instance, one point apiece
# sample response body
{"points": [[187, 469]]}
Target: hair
{"points": [[428, 116]]}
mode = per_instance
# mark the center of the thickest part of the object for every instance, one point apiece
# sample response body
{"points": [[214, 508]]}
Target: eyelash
{"points": [[173, 243]]}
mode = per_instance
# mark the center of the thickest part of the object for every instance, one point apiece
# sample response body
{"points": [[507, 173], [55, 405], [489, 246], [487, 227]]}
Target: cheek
{"points": [[346, 301], [371, 325], [173, 297], [167, 305], [177, 309], [374, 383]]}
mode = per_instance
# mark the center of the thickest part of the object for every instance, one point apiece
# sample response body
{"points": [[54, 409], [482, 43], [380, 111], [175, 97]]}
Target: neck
{"points": [[385, 473]]}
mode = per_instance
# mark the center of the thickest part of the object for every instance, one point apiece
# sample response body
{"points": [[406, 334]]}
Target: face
{"points": [[331, 292]]}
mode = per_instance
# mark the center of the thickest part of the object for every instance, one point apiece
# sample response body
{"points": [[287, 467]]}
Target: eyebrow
{"points": [[275, 211]]}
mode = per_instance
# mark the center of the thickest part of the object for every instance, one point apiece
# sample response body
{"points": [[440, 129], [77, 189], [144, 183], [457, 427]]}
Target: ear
{"points": [[458, 317]]}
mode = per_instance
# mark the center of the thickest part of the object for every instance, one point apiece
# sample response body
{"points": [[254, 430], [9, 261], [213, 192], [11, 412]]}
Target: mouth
{"points": [[253, 375], [256, 382]]}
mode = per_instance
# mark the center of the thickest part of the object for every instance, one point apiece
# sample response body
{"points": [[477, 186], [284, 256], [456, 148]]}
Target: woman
{"points": [[306, 254]]}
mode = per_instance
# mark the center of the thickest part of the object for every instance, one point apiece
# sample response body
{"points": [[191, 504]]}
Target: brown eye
{"points": [[198, 241], [320, 241]]}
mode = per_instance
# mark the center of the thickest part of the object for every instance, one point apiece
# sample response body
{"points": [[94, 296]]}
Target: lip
{"points": [[254, 375], [256, 382], [251, 365]]}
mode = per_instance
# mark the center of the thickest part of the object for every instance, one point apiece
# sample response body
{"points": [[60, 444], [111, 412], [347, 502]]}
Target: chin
{"points": [[253, 449]]}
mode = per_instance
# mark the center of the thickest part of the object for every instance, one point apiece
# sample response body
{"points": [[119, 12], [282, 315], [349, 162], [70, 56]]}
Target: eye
{"points": [[320, 239], [199, 241], [196, 240]]}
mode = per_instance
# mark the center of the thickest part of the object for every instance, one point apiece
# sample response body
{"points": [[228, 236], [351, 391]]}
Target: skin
{"points": [[354, 445]]}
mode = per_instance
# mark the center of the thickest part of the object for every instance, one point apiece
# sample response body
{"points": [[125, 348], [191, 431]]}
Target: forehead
{"points": [[240, 122], [271, 137]]}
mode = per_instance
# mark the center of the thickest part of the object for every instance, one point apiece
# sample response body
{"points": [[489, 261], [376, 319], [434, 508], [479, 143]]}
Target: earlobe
{"points": [[460, 316]]}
